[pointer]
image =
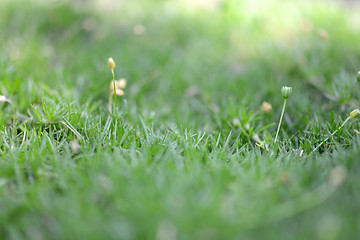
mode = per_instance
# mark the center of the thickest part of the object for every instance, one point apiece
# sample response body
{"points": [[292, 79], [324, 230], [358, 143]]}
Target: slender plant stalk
{"points": [[14, 119], [110, 102], [281, 117], [342, 125], [113, 74]]}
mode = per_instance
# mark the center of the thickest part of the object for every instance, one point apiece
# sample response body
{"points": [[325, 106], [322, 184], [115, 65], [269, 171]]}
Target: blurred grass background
{"points": [[192, 68], [197, 58]]}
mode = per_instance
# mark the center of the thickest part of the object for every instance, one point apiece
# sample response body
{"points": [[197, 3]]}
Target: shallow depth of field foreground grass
{"points": [[180, 157]]}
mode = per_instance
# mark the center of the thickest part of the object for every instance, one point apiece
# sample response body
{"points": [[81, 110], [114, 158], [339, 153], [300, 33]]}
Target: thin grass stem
{"points": [[113, 74], [281, 117]]}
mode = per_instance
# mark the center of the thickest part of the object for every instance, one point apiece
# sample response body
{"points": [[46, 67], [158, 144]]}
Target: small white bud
{"points": [[286, 92]]}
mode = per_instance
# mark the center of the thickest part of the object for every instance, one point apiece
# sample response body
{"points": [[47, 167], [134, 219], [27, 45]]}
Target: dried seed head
{"points": [[355, 113], [266, 107], [286, 92], [111, 63], [139, 29], [257, 139], [119, 85], [74, 146], [323, 34], [236, 122], [120, 92], [4, 99]]}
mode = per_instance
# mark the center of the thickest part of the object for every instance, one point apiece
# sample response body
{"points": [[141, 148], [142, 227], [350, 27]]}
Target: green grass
{"points": [[178, 160]]}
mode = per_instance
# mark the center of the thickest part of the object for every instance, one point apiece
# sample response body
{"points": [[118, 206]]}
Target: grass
{"points": [[178, 159]]}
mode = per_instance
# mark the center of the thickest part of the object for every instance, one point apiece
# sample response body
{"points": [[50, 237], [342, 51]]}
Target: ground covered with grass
{"points": [[188, 153]]}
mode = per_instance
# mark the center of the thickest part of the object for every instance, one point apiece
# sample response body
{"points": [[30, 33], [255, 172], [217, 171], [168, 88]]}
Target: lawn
{"points": [[188, 152]]}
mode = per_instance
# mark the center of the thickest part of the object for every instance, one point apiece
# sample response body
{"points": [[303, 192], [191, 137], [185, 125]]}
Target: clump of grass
{"points": [[354, 114], [188, 169], [52, 113]]}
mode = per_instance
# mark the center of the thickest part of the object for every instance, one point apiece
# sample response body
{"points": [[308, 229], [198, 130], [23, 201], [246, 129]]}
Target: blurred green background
{"points": [[173, 164], [183, 59]]}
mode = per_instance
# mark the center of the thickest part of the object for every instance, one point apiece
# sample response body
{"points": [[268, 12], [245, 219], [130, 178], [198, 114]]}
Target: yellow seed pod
{"points": [[355, 113], [121, 83], [111, 63]]}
